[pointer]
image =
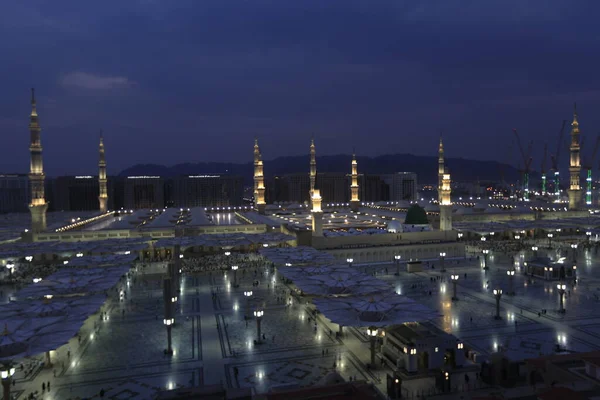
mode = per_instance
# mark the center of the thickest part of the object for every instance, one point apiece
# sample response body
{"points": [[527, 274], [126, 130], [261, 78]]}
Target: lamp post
{"points": [[535, 250], [498, 295], [454, 278], [235, 268], [169, 301], [517, 237], [227, 253], [372, 334], [574, 248], [483, 239], [10, 267], [550, 236], [6, 373], [397, 258], [459, 235], [589, 235], [247, 294], [485, 257], [258, 314], [575, 272], [511, 276], [442, 258], [562, 288], [349, 261]]}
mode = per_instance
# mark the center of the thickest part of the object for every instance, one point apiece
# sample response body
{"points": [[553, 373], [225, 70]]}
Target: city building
{"points": [[14, 193], [144, 191], [403, 186], [206, 191], [75, 193]]}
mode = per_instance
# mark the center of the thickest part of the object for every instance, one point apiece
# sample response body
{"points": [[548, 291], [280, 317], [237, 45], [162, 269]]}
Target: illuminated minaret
{"points": [[440, 169], [313, 167], [354, 200], [317, 213], [446, 203], [38, 204], [259, 180], [103, 196], [574, 165]]}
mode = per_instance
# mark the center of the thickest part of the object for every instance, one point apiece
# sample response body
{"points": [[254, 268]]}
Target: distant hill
{"points": [[462, 170]]}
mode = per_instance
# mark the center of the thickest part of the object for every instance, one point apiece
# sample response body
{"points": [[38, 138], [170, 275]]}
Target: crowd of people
{"points": [[23, 273], [222, 262]]}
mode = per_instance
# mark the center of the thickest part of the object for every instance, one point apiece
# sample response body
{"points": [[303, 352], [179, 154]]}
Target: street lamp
{"points": [[248, 294], [562, 288], [10, 267], [372, 334], [485, 257], [574, 247], [454, 278], [575, 271], [350, 261], [397, 257], [550, 236], [498, 295], [168, 322], [460, 235], [227, 253], [235, 268], [535, 250], [517, 237], [442, 258], [6, 373], [288, 264], [511, 276], [589, 235], [258, 314], [483, 239]]}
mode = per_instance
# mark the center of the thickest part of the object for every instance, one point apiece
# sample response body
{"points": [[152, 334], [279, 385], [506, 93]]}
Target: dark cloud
{"points": [[176, 81]]}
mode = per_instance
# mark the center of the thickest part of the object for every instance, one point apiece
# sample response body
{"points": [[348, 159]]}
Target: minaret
{"points": [[259, 180], [446, 203], [103, 196], [38, 204], [313, 167], [440, 169], [574, 165], [317, 213], [354, 200]]}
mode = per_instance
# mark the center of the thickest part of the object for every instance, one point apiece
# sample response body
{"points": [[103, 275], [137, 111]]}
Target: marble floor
{"points": [[213, 342]]}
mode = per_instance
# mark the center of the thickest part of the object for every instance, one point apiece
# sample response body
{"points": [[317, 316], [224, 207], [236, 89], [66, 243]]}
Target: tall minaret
{"points": [[259, 180], [446, 203], [103, 196], [440, 169], [354, 200], [317, 213], [574, 165], [313, 168], [38, 204]]}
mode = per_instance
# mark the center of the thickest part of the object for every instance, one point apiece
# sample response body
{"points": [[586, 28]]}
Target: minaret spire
{"points": [[446, 203], [313, 167], [575, 164], [103, 192], [259, 180], [440, 168], [38, 205], [354, 199]]}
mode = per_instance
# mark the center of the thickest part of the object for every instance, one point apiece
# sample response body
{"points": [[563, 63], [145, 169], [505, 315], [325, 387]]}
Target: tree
{"points": [[416, 215]]}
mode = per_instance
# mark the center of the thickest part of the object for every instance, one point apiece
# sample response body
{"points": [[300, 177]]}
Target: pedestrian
{"points": [[48, 384], [43, 386]]}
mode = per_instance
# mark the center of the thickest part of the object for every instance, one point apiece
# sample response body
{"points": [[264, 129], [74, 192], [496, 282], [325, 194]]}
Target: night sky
{"points": [[177, 81]]}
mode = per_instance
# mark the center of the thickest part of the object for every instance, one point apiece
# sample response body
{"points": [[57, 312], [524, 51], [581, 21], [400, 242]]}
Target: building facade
{"points": [[144, 192], [402, 186], [207, 191], [14, 193]]}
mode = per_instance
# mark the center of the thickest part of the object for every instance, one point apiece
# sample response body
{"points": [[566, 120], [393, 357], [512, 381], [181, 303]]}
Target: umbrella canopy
{"points": [[378, 310], [17, 333]]}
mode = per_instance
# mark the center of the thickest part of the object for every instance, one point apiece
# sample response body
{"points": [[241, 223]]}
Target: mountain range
{"points": [[462, 170]]}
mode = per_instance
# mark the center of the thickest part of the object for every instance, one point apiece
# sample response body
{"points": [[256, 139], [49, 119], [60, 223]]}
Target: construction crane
{"points": [[587, 164], [555, 158], [544, 192], [526, 164]]}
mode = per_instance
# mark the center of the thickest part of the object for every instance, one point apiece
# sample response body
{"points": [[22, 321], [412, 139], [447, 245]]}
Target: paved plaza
{"points": [[121, 351]]}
